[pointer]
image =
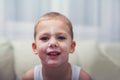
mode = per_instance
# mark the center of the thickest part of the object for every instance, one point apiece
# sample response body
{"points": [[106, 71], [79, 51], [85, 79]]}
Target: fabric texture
{"points": [[96, 62], [75, 72], [25, 59], [38, 72], [6, 61]]}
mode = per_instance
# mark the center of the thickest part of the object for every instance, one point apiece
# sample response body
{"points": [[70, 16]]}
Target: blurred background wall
{"points": [[92, 19]]}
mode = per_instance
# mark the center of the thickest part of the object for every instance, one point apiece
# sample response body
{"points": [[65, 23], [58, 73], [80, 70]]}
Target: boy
{"points": [[53, 37]]}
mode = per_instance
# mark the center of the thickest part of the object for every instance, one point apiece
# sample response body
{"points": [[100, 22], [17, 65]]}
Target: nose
{"points": [[53, 43]]}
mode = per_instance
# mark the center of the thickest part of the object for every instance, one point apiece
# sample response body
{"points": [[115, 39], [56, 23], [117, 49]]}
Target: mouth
{"points": [[53, 53]]}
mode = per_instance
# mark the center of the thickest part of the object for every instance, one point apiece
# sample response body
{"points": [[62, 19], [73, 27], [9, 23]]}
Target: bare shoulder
{"points": [[84, 75], [29, 75]]}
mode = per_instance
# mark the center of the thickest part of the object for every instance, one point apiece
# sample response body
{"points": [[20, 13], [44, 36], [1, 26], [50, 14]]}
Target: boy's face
{"points": [[53, 42]]}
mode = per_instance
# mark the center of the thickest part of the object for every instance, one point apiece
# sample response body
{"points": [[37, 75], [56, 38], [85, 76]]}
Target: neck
{"points": [[57, 73]]}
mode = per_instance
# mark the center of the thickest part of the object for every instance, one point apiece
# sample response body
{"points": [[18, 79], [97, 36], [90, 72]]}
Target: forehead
{"points": [[60, 19], [50, 24]]}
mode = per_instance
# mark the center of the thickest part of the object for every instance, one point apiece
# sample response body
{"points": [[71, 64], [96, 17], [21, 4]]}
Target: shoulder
{"points": [[84, 75], [29, 75]]}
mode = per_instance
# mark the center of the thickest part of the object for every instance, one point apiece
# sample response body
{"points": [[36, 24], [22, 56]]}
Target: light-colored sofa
{"points": [[100, 60]]}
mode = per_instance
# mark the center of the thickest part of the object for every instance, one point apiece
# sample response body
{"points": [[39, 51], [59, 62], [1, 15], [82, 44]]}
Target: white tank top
{"points": [[38, 72]]}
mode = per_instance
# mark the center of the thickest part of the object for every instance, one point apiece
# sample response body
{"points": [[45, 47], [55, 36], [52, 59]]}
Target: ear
{"points": [[34, 47], [73, 45]]}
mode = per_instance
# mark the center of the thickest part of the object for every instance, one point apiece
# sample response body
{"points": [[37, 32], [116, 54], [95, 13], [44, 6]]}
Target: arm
{"points": [[29, 75], [84, 75]]}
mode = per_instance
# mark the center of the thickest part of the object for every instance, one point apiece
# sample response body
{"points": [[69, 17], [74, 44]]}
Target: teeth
{"points": [[53, 52]]}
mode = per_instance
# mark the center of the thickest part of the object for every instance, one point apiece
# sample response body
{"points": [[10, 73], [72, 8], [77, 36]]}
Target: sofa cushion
{"points": [[24, 57], [112, 52], [93, 61], [6, 61]]}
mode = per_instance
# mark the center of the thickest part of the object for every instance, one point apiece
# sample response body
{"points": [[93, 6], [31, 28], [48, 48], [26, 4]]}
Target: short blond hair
{"points": [[54, 15]]}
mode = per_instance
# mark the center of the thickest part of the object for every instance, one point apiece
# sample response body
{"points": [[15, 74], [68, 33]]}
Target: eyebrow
{"points": [[58, 33]]}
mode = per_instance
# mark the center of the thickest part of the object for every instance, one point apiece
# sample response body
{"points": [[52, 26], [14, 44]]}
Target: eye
{"points": [[61, 37], [44, 38]]}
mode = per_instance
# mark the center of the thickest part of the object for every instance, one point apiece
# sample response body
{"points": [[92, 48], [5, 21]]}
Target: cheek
{"points": [[65, 52], [41, 53], [41, 45], [41, 49], [66, 48]]}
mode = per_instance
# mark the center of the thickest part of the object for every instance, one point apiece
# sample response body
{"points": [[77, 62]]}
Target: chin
{"points": [[53, 63]]}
